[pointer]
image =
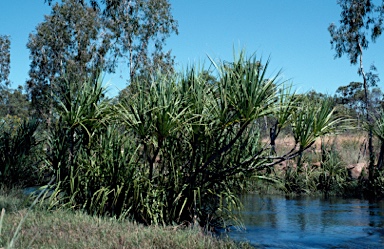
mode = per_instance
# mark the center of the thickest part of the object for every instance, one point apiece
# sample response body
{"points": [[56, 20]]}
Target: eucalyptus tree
{"points": [[67, 44], [360, 20], [78, 39], [5, 59], [138, 30]]}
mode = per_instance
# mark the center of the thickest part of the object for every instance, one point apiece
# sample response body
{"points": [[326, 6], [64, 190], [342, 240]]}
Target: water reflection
{"points": [[278, 222]]}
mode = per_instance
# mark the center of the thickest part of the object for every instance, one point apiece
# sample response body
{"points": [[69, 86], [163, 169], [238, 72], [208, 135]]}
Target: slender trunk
{"points": [[299, 160], [371, 166], [273, 135]]}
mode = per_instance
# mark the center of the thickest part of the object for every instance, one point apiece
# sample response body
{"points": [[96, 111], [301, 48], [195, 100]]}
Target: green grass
{"points": [[68, 229]]}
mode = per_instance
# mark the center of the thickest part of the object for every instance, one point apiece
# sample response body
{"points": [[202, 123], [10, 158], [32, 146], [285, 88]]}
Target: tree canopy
{"points": [[66, 44], [79, 40], [137, 30], [360, 19]]}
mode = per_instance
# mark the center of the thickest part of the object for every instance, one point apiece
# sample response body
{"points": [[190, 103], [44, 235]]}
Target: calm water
{"points": [[278, 222]]}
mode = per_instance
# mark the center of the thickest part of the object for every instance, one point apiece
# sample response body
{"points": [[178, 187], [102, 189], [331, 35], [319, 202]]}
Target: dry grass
{"points": [[340, 141], [352, 149]]}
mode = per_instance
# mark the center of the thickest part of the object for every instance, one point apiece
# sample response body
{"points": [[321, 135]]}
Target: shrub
{"points": [[19, 157]]}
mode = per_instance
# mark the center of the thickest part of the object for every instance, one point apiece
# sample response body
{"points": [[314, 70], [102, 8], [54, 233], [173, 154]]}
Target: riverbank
{"points": [[69, 229]]}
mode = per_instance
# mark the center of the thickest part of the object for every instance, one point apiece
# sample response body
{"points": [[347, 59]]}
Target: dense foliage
{"points": [[76, 39], [179, 149], [19, 159]]}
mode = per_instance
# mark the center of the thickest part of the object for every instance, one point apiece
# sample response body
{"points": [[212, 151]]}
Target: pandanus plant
{"points": [[19, 153], [312, 120], [186, 145], [199, 141]]}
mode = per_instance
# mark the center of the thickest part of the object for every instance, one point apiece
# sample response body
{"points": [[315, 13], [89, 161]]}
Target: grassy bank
{"points": [[68, 229]]}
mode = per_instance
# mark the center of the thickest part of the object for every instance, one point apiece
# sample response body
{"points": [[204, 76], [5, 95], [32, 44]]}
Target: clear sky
{"points": [[292, 33]]}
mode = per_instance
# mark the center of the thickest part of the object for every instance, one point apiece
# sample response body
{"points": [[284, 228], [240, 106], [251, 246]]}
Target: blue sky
{"points": [[292, 33]]}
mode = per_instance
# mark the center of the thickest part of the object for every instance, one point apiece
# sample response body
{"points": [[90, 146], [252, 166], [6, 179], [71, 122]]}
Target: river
{"points": [[307, 222]]}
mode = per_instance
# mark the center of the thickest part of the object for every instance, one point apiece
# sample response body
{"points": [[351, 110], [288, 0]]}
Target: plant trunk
{"points": [[273, 135], [371, 166]]}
